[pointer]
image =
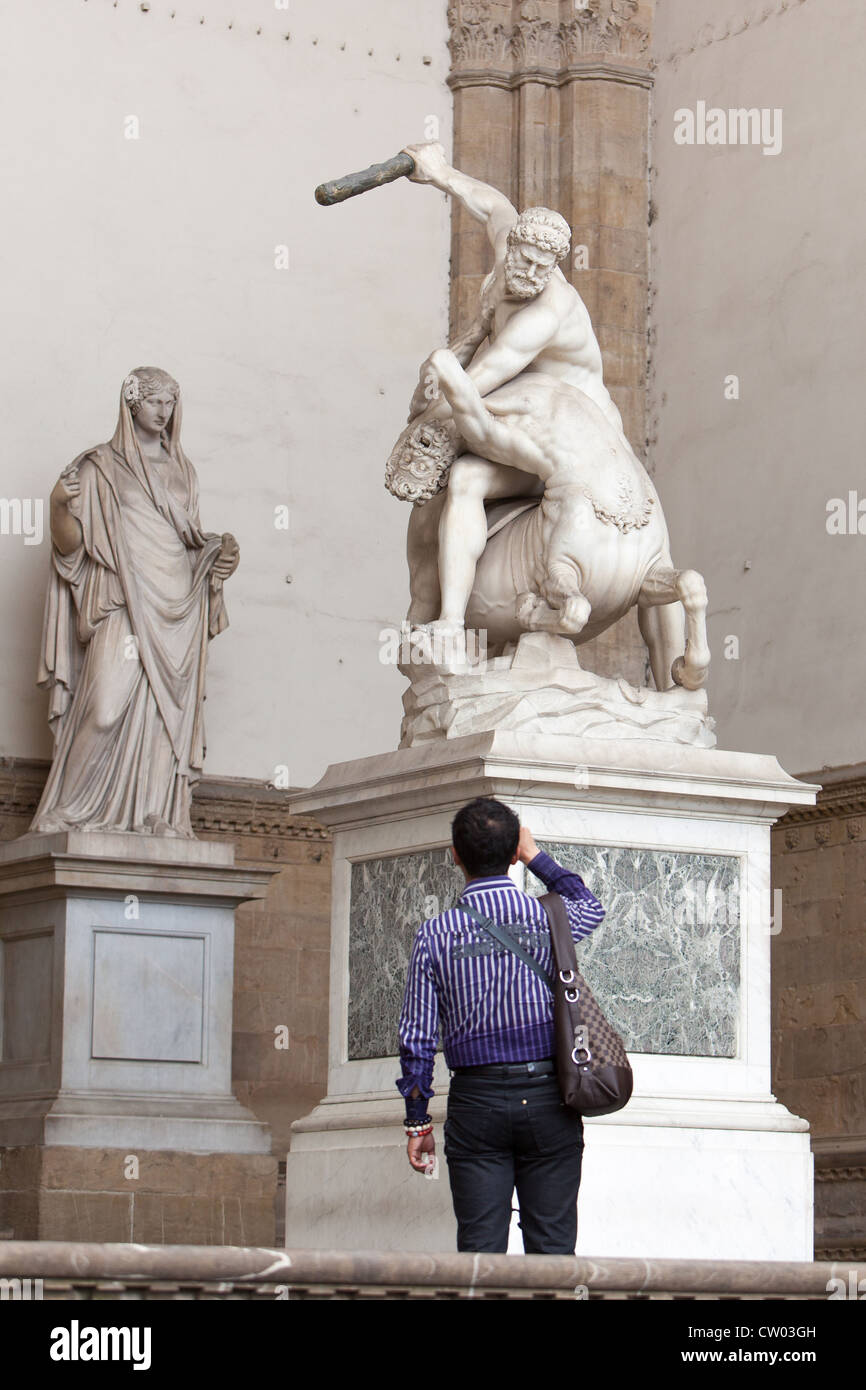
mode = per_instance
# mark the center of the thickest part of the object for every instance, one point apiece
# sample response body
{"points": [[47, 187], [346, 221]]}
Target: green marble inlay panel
{"points": [[390, 898], [664, 964]]}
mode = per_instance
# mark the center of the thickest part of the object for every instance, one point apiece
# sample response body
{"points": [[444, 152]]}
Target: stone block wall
{"points": [[171, 1198], [282, 952], [819, 997]]}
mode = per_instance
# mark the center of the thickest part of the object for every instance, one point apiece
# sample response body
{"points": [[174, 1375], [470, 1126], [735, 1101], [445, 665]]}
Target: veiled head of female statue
{"points": [[151, 395]]}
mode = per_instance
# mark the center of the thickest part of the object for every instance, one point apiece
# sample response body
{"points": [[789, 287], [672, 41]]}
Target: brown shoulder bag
{"points": [[592, 1067]]}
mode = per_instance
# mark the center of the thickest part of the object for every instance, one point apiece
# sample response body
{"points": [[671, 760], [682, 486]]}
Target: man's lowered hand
{"points": [[421, 1152]]}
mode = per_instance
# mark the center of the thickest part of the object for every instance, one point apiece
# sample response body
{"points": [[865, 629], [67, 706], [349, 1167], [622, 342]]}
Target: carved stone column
{"points": [[551, 104]]}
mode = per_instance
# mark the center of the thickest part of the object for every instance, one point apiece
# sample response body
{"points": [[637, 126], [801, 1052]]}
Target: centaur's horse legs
{"points": [[660, 620]]}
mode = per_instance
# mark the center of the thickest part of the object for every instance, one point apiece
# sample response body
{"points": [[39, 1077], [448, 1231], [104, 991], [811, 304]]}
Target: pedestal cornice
{"points": [[93, 862], [663, 778], [842, 793]]}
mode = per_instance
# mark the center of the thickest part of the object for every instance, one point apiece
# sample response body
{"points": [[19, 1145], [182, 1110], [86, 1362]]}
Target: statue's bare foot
{"points": [[440, 643], [445, 627], [157, 826]]}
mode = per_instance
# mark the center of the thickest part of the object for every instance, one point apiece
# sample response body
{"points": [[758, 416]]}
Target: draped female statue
{"points": [[135, 594]]}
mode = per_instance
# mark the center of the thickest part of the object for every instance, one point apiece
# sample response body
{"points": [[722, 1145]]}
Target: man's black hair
{"points": [[485, 835]]}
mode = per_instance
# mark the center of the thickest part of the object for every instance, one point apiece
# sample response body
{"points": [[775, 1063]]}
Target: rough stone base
{"points": [[539, 687], [177, 1199]]}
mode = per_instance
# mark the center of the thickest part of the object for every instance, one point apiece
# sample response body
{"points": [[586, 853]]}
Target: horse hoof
{"points": [[575, 615], [689, 677]]}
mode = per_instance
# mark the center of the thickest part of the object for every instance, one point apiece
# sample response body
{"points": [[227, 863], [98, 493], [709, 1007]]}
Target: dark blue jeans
{"points": [[503, 1133]]}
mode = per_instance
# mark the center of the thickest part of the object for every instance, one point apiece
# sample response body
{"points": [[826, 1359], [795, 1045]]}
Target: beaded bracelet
{"points": [[417, 1131]]}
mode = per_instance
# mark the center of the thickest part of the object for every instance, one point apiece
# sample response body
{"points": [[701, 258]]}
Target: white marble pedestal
{"points": [[116, 961], [675, 841]]}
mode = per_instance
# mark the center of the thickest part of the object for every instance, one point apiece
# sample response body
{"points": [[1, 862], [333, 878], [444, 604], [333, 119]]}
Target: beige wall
{"points": [[160, 250], [758, 270]]}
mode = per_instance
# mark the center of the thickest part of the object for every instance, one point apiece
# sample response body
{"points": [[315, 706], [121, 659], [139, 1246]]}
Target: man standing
{"points": [[506, 1125]]}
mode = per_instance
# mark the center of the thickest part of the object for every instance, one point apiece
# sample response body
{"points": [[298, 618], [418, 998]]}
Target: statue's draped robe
{"points": [[127, 620]]}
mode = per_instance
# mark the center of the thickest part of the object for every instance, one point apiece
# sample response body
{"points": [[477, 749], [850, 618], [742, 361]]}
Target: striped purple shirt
{"points": [[487, 1005]]}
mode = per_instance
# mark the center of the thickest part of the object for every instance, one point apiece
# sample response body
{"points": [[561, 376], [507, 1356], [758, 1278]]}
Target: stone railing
{"points": [[71, 1271]]}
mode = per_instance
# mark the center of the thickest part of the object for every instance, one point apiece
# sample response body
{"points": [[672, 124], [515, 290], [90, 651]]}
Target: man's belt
{"points": [[544, 1066]]}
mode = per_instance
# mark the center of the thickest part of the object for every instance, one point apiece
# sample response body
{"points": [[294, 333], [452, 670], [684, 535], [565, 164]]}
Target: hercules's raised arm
{"points": [[482, 202]]}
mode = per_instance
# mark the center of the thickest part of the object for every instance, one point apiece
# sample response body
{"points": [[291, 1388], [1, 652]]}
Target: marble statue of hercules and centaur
{"points": [[532, 512], [592, 547]]}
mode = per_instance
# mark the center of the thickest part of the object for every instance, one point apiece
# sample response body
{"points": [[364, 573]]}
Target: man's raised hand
{"points": [[526, 846]]}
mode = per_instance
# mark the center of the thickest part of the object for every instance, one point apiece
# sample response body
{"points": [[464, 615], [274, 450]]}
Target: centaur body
{"points": [[582, 537]]}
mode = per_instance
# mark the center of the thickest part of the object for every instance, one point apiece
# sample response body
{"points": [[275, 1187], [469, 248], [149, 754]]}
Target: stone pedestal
{"points": [[116, 975], [675, 841]]}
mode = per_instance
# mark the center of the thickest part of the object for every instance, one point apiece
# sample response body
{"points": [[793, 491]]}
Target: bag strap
{"points": [[507, 940], [561, 939]]}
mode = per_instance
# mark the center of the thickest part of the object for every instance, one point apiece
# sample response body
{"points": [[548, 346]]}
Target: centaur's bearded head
{"points": [[537, 242]]}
